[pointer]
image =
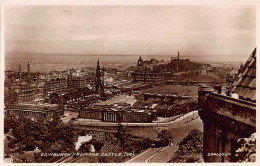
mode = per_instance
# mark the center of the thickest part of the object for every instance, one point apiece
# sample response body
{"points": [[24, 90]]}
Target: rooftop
{"points": [[245, 84], [36, 107]]}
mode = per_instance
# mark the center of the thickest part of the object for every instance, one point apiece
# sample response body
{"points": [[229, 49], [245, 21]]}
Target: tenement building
{"points": [[80, 82], [226, 118], [20, 86], [55, 85]]}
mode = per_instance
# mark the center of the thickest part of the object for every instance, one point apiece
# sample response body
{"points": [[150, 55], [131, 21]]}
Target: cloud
{"points": [[131, 29]]}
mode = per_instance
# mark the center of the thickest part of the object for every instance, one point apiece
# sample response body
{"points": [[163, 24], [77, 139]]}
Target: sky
{"points": [[131, 30]]}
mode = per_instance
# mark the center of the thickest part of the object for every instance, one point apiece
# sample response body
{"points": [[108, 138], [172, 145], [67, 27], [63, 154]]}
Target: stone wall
{"points": [[225, 120]]}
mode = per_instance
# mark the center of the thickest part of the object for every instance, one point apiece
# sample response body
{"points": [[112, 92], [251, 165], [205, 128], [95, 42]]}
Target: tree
{"points": [[121, 133], [165, 137], [247, 150], [190, 148], [57, 147], [111, 148], [29, 143], [24, 158], [8, 122], [54, 98]]}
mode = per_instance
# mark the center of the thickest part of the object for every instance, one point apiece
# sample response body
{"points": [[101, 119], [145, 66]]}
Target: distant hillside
{"points": [[183, 65]]}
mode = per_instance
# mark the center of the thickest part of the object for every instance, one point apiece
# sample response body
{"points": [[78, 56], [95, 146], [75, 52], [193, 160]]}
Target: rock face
{"points": [[190, 149], [247, 151]]}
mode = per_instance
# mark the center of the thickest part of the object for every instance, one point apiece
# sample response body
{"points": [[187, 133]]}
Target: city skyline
{"points": [[131, 30], [129, 84]]}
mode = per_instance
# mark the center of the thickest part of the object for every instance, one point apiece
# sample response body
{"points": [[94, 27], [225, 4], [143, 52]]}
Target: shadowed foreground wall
{"points": [[225, 120]]}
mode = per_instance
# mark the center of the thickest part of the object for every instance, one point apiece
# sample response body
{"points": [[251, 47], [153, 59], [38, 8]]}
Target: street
{"points": [[68, 115], [164, 154]]}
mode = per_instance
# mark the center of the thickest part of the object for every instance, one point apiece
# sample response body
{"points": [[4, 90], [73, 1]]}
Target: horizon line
{"points": [[88, 54]]}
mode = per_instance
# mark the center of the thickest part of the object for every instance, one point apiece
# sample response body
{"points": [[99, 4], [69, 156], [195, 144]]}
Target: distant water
{"points": [[40, 62]]}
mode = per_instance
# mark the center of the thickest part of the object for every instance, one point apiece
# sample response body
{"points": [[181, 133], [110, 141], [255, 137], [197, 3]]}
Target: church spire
{"points": [[99, 82]]}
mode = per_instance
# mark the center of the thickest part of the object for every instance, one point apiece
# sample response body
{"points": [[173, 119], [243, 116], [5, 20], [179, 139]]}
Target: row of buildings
{"points": [[23, 88], [32, 87]]}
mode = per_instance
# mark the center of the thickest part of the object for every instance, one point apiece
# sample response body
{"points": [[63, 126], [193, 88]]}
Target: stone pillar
{"points": [[105, 116], [202, 94], [208, 140]]}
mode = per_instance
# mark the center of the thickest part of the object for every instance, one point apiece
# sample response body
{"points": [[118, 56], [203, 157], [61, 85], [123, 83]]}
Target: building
{"points": [[147, 72], [62, 83], [119, 113], [80, 82], [245, 84], [55, 85], [35, 110], [10, 97], [149, 76], [226, 118], [24, 87], [138, 116], [141, 64], [26, 92], [20, 92]]}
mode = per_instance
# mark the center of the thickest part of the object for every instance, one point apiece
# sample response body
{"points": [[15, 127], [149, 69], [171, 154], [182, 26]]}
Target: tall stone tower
{"points": [[99, 81]]}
